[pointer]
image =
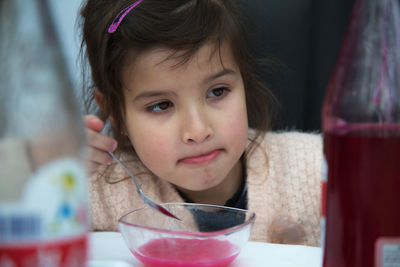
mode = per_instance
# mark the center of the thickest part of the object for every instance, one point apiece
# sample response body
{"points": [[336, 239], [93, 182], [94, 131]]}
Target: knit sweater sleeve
{"points": [[113, 193], [284, 177]]}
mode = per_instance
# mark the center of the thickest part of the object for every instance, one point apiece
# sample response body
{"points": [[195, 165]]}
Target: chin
{"points": [[206, 186]]}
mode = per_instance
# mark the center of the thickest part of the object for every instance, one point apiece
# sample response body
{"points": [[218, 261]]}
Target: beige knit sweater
{"points": [[283, 183]]}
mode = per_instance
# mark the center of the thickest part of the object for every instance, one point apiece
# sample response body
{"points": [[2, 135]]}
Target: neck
{"points": [[220, 194]]}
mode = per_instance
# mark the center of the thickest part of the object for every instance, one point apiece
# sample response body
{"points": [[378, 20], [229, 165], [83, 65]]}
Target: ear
{"points": [[99, 97]]}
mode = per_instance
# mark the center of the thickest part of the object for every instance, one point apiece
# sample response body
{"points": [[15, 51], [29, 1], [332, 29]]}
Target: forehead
{"points": [[209, 58]]}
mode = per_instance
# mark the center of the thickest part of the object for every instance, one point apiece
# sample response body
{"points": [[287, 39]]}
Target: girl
{"points": [[176, 81]]}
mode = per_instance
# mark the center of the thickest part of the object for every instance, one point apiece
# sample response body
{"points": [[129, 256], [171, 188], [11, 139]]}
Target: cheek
{"points": [[239, 130], [147, 143], [151, 146], [238, 116], [236, 125]]}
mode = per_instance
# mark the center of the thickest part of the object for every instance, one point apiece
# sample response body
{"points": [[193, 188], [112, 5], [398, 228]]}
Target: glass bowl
{"points": [[206, 235]]}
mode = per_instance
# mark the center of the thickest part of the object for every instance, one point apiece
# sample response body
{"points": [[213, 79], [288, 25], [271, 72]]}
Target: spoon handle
{"points": [[149, 202], [128, 171]]}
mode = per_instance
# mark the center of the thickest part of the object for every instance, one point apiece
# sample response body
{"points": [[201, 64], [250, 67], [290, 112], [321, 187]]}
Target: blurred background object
{"points": [[361, 132], [65, 14], [43, 181], [302, 35]]}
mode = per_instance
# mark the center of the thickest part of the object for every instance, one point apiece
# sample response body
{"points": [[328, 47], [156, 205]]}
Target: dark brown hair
{"points": [[181, 25]]}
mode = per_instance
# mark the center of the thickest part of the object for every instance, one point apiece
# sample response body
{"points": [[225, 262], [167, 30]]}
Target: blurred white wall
{"points": [[65, 14]]}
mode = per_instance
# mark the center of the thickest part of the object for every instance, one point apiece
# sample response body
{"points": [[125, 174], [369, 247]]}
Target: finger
{"points": [[93, 122], [99, 157], [100, 141], [92, 168]]}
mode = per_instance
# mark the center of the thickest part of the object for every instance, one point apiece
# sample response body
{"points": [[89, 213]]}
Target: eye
{"points": [[160, 107], [218, 92]]}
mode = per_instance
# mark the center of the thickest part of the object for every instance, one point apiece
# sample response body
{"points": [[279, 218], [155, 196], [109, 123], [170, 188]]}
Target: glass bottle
{"points": [[43, 189], [361, 126]]}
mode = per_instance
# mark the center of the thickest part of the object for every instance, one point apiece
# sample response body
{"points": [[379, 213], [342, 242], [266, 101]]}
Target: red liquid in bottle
{"points": [[64, 252], [363, 195], [181, 252]]}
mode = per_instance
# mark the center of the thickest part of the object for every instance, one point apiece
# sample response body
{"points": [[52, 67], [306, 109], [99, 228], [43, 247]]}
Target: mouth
{"points": [[204, 158]]}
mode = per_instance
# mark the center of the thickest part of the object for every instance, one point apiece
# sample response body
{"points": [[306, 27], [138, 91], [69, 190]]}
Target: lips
{"points": [[204, 158]]}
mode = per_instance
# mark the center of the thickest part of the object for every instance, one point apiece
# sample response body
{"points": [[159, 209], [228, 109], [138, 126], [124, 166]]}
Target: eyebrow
{"points": [[151, 94], [164, 93], [219, 74]]}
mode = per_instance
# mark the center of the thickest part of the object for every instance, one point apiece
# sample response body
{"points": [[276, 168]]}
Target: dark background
{"points": [[303, 37]]}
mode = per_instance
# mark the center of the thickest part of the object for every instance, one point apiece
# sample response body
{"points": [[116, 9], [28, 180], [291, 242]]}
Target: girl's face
{"points": [[188, 123]]}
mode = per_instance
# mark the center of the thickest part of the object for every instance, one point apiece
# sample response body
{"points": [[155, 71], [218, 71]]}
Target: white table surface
{"points": [[107, 249]]}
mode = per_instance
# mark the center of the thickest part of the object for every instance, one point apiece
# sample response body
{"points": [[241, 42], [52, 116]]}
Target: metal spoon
{"points": [[148, 201]]}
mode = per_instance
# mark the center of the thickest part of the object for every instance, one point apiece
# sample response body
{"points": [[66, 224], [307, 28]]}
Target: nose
{"points": [[196, 127]]}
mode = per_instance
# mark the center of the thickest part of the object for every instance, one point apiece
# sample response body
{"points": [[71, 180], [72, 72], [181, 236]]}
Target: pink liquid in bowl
{"points": [[181, 252]]}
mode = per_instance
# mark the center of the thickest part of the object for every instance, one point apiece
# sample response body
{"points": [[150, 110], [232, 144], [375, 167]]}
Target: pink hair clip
{"points": [[121, 15]]}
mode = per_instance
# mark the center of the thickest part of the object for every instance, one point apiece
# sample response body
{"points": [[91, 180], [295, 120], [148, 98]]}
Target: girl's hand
{"points": [[98, 144]]}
